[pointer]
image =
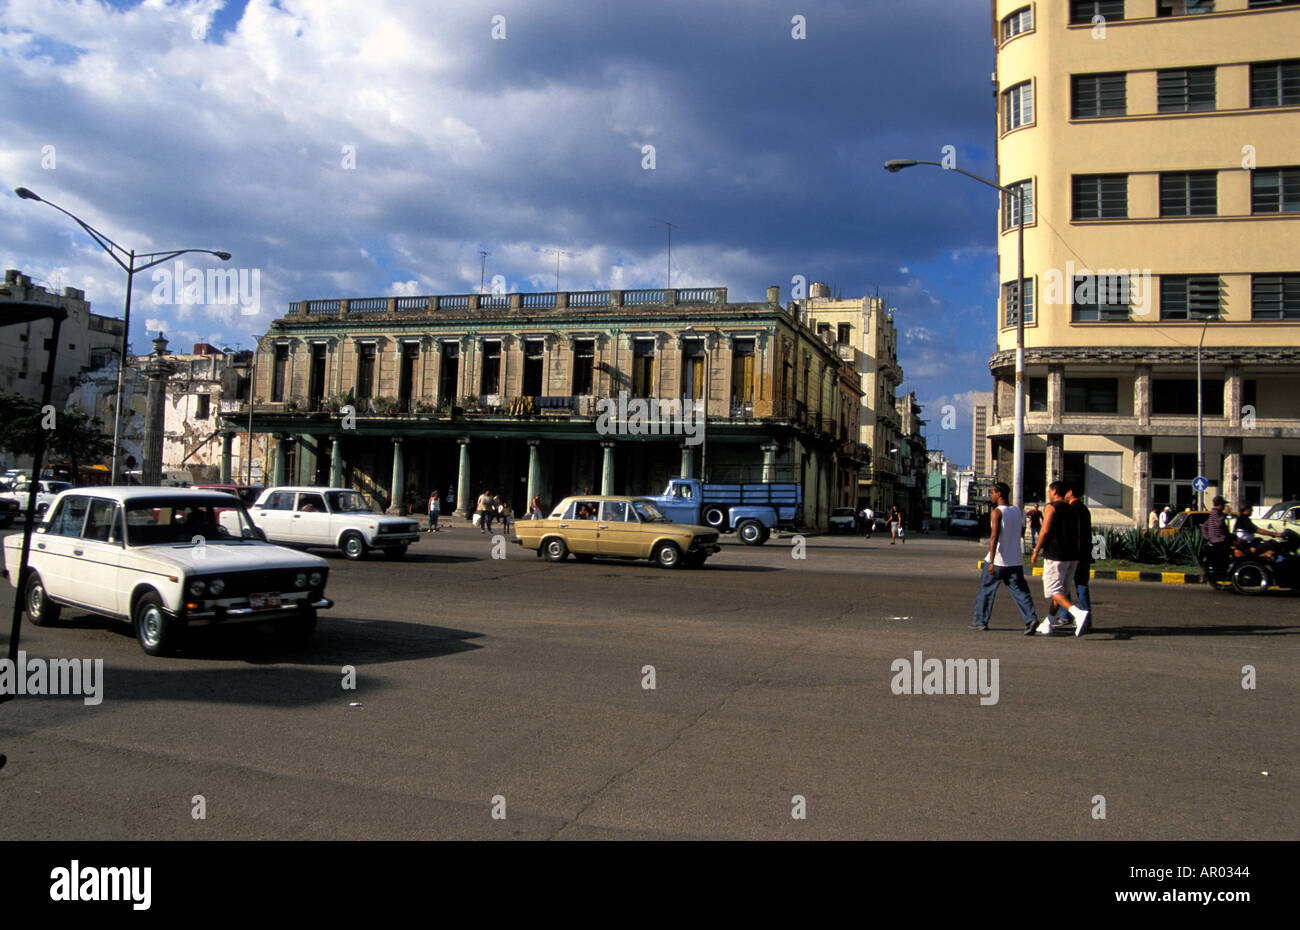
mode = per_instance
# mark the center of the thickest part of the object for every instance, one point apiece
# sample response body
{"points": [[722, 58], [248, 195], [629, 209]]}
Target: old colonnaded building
{"points": [[464, 392]]}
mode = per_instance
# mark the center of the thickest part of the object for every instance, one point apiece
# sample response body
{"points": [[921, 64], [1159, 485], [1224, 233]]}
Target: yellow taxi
{"points": [[619, 528]]}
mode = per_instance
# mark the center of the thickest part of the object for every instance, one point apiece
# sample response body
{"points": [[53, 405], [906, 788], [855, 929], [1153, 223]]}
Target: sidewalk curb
{"points": [[1152, 577]]}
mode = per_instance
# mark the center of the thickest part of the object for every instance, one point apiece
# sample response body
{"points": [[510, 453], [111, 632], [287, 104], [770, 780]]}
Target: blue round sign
{"points": [[1200, 484]]}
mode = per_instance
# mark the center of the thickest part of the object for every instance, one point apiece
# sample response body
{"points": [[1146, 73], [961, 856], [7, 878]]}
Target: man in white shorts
{"points": [[1059, 543]]}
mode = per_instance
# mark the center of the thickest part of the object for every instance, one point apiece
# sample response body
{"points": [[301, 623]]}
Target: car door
{"points": [[311, 520], [578, 526], [616, 536], [97, 559], [55, 545], [274, 515]]}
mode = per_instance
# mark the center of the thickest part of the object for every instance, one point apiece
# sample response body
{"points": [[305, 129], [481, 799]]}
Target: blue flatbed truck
{"points": [[752, 511]]}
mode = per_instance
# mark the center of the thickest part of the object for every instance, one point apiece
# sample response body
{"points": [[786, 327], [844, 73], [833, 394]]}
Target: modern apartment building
{"points": [[1156, 142], [981, 454], [550, 393], [864, 334]]}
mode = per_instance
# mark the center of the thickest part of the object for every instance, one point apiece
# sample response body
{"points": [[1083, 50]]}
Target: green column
{"points": [[607, 469], [464, 497]]}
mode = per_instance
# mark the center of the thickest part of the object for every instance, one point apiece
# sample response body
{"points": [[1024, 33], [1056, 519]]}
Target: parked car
{"points": [[1193, 520], [964, 521], [335, 518], [1283, 516], [46, 491], [245, 492], [165, 560], [9, 510], [617, 527], [843, 520]]}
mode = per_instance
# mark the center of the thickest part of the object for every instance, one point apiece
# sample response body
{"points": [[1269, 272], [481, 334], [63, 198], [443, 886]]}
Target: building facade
{"points": [[202, 384], [550, 394], [87, 341], [864, 334], [1155, 142], [981, 453]]}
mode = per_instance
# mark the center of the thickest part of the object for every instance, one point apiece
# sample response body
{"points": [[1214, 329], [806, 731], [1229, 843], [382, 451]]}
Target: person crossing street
{"points": [[1005, 562]]}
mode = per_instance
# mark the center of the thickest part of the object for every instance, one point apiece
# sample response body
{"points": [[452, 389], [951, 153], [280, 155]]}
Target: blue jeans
{"points": [[1013, 576], [1081, 580]]}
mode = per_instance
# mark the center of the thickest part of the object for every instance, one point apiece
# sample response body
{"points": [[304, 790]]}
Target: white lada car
{"points": [[165, 560], [336, 518]]}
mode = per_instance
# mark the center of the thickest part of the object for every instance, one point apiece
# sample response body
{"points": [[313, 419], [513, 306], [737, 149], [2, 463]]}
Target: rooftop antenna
{"points": [[558, 253], [482, 274], [670, 226]]}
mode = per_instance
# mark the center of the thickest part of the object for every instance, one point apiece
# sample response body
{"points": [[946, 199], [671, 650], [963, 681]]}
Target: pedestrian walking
{"points": [[1035, 525], [535, 508], [1005, 563], [1153, 519], [494, 510], [1215, 531], [504, 514], [435, 510], [482, 507], [1083, 572], [1059, 544], [869, 520], [1164, 517]]}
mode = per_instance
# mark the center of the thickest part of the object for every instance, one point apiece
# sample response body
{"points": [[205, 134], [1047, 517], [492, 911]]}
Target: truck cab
{"points": [[751, 511]]}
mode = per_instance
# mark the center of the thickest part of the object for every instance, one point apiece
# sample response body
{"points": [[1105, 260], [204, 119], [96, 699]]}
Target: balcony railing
{"points": [[547, 300]]}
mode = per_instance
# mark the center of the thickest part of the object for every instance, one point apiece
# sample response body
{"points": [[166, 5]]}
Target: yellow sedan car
{"points": [[616, 527]]}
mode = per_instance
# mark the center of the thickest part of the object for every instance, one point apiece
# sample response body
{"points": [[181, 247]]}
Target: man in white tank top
{"points": [[1005, 563]]}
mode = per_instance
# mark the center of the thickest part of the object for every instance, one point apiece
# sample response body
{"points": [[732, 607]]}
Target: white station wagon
{"points": [[337, 518], [164, 559]]}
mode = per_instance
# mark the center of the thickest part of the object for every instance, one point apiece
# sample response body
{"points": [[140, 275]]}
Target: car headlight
{"points": [[197, 587], [315, 579], [300, 580], [216, 586]]}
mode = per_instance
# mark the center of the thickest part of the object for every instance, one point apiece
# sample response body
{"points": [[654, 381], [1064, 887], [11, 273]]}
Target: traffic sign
{"points": [[1200, 484]]}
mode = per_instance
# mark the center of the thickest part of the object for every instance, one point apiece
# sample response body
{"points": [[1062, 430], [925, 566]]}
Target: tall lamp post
{"points": [[127, 259], [1018, 451], [1200, 435]]}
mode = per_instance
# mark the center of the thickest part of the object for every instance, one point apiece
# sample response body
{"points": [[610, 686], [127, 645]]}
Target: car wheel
{"points": [[667, 555], [353, 546], [158, 634], [1251, 577], [555, 549], [40, 609], [299, 629], [396, 553], [752, 533], [715, 517]]}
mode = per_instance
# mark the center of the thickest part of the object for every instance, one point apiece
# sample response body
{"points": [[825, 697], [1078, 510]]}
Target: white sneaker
{"points": [[1081, 625], [1045, 627]]}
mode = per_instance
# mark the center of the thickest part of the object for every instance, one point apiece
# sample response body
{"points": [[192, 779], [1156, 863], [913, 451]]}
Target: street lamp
{"points": [[116, 252], [1200, 435], [896, 165]]}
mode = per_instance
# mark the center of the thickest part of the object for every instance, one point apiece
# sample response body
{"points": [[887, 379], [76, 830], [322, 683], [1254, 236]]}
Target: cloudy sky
{"points": [[352, 148]]}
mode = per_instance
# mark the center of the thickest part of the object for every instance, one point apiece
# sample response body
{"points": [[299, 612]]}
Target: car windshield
{"points": [[153, 521], [348, 502], [648, 512], [1278, 511]]}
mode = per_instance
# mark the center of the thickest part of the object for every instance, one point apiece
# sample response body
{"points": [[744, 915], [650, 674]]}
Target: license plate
{"points": [[264, 601]]}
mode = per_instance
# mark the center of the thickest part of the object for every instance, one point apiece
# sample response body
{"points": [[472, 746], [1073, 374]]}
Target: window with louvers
{"points": [[1275, 297], [1275, 190], [1010, 214], [1011, 302], [1021, 20], [1191, 193], [1018, 106], [1275, 84], [1185, 90], [1096, 95], [1184, 7], [1083, 11], [1101, 299], [1190, 297], [1100, 196]]}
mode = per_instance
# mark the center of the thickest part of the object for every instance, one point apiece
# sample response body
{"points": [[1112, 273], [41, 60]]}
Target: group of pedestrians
{"points": [[897, 526], [1064, 541], [490, 507]]}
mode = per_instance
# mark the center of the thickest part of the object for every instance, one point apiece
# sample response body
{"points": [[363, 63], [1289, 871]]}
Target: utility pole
{"points": [[670, 250]]}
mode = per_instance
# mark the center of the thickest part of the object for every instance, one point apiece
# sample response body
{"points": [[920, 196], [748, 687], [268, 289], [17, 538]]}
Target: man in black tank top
{"points": [[1059, 544]]}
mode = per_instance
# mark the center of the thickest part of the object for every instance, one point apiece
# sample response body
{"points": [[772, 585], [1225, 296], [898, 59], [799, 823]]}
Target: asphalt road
{"points": [[481, 678]]}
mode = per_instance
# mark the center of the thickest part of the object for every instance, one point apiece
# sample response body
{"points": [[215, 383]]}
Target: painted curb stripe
{"points": [[1111, 575]]}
